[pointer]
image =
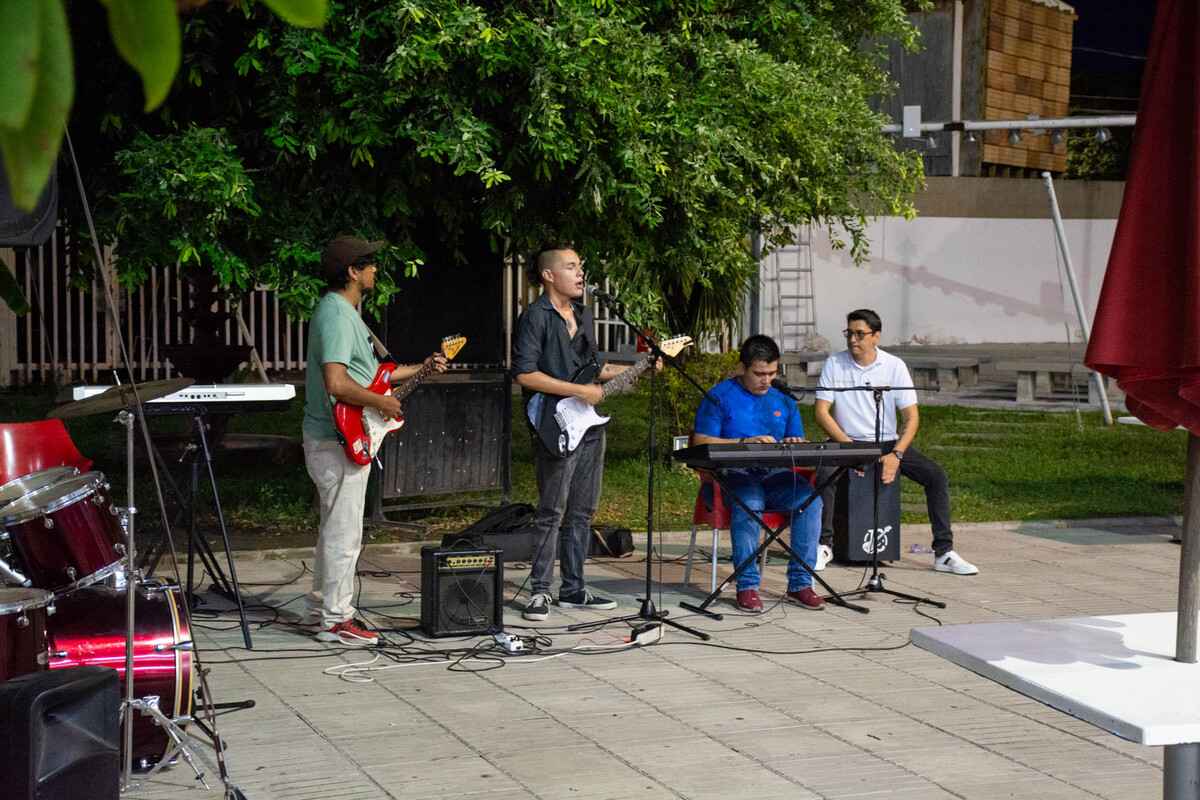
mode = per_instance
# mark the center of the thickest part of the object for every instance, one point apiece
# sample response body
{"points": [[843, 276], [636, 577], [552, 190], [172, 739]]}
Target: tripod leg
{"points": [[234, 588]]}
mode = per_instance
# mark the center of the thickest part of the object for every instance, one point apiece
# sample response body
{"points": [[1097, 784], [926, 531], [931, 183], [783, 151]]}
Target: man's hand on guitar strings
{"points": [[438, 361]]}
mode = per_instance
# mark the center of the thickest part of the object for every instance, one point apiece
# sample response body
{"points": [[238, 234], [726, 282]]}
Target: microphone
{"points": [[781, 385], [600, 294]]}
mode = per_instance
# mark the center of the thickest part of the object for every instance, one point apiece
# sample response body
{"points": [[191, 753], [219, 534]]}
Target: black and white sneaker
{"points": [[586, 599], [538, 609]]}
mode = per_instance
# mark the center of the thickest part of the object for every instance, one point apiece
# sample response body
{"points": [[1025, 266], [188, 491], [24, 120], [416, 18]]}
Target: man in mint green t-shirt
{"points": [[341, 364]]}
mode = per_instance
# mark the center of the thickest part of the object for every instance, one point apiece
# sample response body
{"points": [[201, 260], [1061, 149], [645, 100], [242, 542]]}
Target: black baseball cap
{"points": [[343, 252]]}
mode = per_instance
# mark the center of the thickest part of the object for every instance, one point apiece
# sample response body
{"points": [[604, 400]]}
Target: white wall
{"points": [[945, 280]]}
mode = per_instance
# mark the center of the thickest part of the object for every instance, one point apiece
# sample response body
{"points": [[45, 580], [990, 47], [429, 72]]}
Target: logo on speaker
{"points": [[880, 539]]}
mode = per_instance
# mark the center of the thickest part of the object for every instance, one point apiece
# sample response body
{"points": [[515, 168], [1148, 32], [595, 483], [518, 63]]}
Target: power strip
{"points": [[646, 634], [509, 643]]}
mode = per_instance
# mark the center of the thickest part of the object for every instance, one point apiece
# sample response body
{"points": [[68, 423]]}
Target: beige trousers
{"points": [[342, 490]]}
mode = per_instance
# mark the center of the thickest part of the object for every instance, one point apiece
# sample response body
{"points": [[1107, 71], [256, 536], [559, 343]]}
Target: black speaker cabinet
{"points": [[853, 518], [60, 735], [462, 591]]}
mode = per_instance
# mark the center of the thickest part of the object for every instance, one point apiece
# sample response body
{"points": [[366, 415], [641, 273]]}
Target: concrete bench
{"points": [[1041, 378], [943, 373], [795, 365]]}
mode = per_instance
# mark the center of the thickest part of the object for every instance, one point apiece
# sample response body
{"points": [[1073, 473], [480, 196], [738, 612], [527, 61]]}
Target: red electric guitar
{"points": [[362, 429]]}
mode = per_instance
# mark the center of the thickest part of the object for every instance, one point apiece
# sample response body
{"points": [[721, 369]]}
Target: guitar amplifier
{"points": [[462, 591], [854, 518]]}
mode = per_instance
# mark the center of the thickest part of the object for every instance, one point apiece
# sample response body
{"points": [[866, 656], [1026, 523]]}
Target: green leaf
{"points": [[10, 291], [146, 33], [18, 60], [303, 13], [29, 151]]}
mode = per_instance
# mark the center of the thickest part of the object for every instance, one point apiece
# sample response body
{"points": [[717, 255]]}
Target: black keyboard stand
{"points": [[771, 537], [199, 454]]}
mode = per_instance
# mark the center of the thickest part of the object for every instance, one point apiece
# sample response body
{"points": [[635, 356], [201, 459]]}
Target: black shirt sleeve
{"points": [[527, 342]]}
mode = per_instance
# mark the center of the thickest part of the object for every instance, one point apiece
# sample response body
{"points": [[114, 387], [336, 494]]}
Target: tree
{"points": [[654, 135], [37, 82]]}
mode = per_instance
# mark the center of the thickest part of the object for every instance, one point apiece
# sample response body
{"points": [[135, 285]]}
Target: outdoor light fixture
{"points": [[1057, 137], [1014, 137], [971, 137], [930, 142], [1103, 135]]}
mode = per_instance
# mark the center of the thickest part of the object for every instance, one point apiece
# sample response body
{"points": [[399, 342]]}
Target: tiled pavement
{"points": [[680, 720]]}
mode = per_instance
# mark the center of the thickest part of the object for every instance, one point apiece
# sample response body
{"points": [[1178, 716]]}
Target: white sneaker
{"points": [[824, 556], [955, 564]]}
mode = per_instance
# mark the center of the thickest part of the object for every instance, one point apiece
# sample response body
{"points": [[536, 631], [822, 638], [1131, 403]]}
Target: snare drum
{"points": [[66, 535], [88, 629], [23, 615]]}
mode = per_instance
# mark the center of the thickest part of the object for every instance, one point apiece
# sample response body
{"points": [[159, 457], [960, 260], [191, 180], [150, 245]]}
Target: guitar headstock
{"points": [[452, 344], [675, 345]]}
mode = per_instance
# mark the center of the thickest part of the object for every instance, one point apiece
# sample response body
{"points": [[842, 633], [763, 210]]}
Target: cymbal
{"points": [[118, 398]]}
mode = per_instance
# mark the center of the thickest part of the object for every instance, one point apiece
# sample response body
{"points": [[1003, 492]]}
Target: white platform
{"points": [[1116, 672]]}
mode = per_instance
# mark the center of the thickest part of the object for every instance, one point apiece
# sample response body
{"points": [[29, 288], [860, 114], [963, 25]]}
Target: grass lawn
{"points": [[1003, 465]]}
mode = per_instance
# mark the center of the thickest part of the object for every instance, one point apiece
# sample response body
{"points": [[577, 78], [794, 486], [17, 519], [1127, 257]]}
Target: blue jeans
{"points": [[779, 490]]}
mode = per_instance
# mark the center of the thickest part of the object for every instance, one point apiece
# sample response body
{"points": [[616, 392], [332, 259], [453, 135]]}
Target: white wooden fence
{"points": [[70, 335]]}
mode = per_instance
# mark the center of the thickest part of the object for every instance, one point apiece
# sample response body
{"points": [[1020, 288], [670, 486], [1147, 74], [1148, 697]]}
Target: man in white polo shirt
{"points": [[853, 419]]}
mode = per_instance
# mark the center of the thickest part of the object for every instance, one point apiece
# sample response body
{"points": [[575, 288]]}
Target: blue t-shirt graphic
{"points": [[741, 414]]}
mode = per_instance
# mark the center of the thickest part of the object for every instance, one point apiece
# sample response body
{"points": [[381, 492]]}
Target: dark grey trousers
{"points": [[568, 492]]}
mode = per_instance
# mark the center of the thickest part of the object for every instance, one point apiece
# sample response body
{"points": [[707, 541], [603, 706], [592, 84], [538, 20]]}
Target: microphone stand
{"points": [[647, 612], [874, 584]]}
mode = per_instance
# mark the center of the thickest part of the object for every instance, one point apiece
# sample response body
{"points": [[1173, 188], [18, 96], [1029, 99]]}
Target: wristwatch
{"points": [[899, 454]]}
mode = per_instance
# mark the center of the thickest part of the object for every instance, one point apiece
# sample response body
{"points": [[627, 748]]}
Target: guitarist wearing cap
{"points": [[554, 339], [341, 363]]}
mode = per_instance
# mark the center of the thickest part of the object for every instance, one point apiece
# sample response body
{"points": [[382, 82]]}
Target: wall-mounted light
{"points": [[1103, 135], [930, 141], [971, 137], [1057, 138], [1014, 137]]}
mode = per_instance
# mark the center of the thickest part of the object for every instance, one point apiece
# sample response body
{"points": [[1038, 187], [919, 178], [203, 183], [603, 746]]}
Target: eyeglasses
{"points": [[856, 335]]}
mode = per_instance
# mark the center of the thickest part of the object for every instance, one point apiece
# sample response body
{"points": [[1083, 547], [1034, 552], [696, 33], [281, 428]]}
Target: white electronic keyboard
{"points": [[219, 398]]}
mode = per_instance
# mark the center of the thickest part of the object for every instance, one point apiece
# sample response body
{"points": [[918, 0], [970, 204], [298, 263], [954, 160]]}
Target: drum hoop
{"points": [[67, 473], [177, 637], [91, 482], [91, 578], [38, 598]]}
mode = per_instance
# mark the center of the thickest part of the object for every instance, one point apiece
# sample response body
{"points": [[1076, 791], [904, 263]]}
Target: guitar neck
{"points": [[626, 379], [403, 390]]}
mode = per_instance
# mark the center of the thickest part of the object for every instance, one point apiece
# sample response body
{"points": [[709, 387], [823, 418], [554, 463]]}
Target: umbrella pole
{"points": [[1061, 234], [1181, 762]]}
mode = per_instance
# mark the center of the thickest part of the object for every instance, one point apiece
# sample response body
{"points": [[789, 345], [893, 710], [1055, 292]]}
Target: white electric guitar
{"points": [[561, 422]]}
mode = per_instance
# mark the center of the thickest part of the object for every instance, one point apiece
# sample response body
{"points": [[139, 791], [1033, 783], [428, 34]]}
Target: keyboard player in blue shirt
{"points": [[749, 410]]}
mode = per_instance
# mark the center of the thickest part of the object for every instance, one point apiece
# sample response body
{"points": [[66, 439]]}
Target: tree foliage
{"points": [[653, 134]]}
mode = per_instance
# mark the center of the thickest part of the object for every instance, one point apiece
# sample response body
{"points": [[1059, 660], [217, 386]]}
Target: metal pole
{"points": [[1189, 561], [126, 418], [1070, 270], [1181, 762], [756, 287]]}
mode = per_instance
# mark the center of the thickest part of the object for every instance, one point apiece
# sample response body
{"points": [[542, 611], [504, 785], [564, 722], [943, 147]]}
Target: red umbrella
{"points": [[1147, 329]]}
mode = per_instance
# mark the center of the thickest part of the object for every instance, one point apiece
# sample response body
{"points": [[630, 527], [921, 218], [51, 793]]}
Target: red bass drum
{"points": [[88, 629]]}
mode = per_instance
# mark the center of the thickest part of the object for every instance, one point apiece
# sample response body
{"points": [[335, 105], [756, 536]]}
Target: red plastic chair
{"points": [[718, 517], [27, 447]]}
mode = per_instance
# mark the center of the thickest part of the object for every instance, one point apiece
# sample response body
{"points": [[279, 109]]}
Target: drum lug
{"points": [[22, 621], [49, 523], [71, 573], [51, 610], [98, 500], [119, 549], [62, 654]]}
